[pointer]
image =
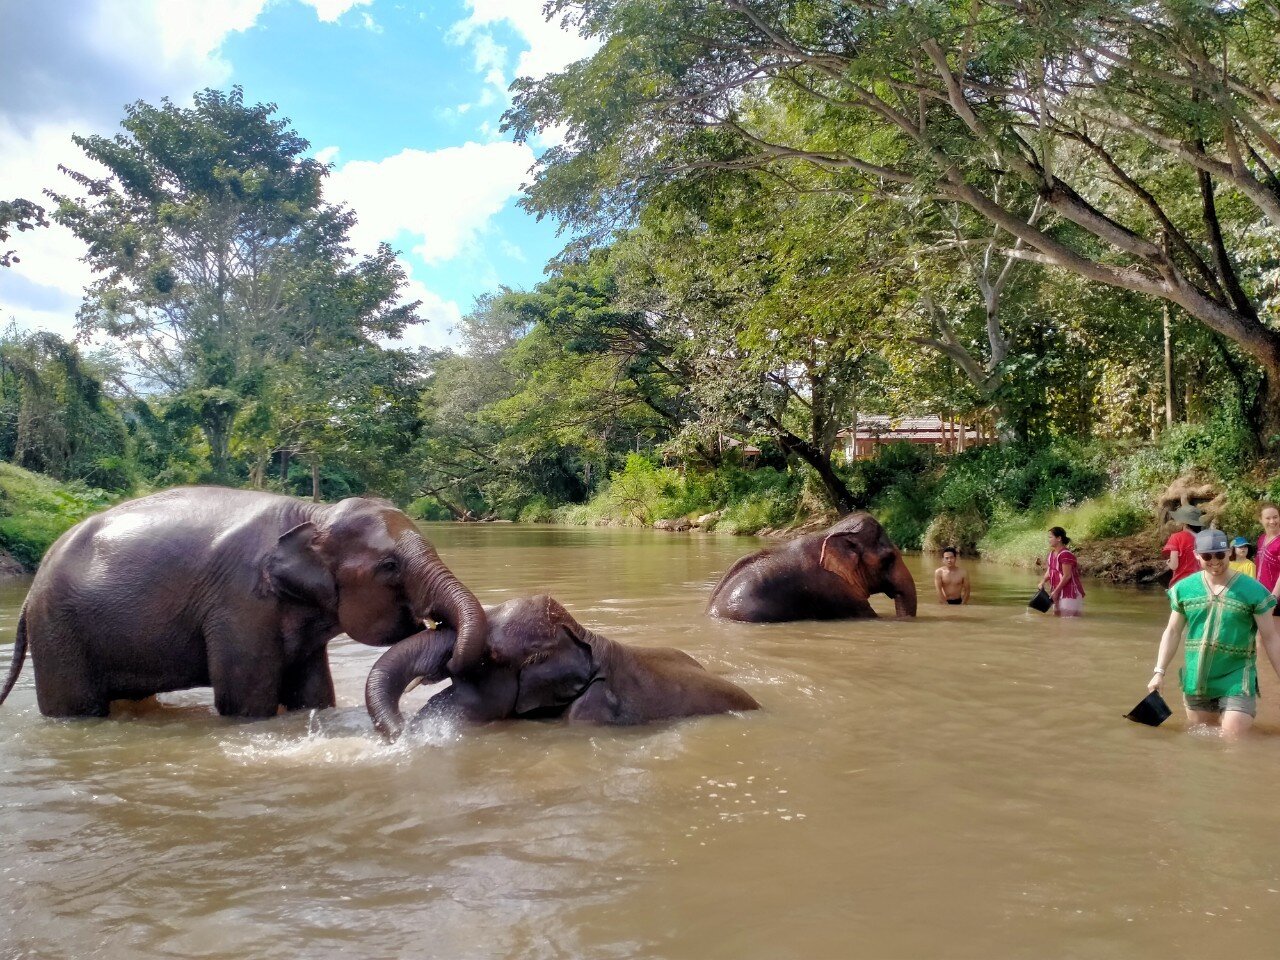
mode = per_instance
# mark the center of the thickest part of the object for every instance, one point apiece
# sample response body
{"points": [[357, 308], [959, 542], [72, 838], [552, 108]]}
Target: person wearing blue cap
{"points": [[1242, 557], [1224, 614]]}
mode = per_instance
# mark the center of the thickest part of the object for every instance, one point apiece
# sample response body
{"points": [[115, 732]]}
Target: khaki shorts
{"points": [[1247, 705]]}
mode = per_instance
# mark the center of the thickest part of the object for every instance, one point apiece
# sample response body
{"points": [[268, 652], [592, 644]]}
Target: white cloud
{"points": [[43, 289], [187, 28], [330, 11], [490, 56], [83, 60], [442, 318], [552, 136], [441, 199], [552, 46], [439, 202]]}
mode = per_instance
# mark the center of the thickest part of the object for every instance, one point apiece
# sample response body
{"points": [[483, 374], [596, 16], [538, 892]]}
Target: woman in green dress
{"points": [[1224, 613]]}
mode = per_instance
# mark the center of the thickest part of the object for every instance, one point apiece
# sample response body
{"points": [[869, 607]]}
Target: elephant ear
{"points": [[296, 569], [840, 555], [553, 675]]}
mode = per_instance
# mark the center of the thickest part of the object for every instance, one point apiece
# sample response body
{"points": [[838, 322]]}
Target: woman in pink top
{"points": [[1062, 575], [1268, 558]]}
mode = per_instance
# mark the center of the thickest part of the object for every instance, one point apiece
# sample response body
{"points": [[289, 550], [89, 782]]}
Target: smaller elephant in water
{"points": [[540, 663], [823, 576]]}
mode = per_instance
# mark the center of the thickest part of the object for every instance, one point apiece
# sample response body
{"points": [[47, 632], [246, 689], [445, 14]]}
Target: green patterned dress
{"points": [[1222, 655]]}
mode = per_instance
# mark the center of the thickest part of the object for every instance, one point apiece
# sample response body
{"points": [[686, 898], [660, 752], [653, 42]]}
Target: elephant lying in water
{"points": [[236, 589], [824, 576], [541, 663]]}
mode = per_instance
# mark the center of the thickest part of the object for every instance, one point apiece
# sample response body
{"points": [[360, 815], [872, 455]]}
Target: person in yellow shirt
{"points": [[1241, 561]]}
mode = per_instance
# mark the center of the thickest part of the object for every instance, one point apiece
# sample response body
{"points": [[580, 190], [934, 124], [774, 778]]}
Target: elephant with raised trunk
{"points": [[235, 589], [823, 576], [540, 663]]}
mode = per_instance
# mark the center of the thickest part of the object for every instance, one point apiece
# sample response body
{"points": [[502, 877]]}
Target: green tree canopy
{"points": [[1150, 128], [215, 254]]}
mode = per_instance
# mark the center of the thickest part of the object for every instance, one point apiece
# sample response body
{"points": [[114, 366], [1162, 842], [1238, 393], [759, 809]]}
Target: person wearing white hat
{"points": [[1225, 615]]}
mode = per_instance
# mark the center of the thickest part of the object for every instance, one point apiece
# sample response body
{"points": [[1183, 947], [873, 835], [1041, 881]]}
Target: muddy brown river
{"points": [[958, 786]]}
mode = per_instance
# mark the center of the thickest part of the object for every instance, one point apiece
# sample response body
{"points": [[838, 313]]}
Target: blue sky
{"points": [[403, 98]]}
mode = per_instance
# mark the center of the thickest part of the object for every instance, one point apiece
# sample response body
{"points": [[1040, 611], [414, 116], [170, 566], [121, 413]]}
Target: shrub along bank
{"points": [[993, 501], [35, 511]]}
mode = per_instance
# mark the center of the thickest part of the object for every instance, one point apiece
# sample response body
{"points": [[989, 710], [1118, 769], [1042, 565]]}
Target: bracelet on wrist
{"points": [[1159, 670]]}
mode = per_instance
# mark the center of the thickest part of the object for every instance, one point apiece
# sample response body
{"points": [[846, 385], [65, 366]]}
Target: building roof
{"points": [[875, 426], [748, 449]]}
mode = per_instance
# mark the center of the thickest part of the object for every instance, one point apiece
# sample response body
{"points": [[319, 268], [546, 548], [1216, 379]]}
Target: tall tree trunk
{"points": [[216, 434], [458, 510], [1168, 369], [315, 480], [841, 498]]}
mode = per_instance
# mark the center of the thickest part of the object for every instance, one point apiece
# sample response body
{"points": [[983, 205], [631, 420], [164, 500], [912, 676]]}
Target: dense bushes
{"points": [[35, 511], [925, 500], [644, 491], [984, 479], [1222, 448], [993, 500], [920, 497], [960, 530]]}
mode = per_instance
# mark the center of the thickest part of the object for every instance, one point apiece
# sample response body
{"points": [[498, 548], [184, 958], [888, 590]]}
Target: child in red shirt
{"points": [[1180, 548]]}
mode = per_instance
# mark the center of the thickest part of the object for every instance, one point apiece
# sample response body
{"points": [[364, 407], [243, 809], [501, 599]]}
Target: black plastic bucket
{"points": [[1041, 601], [1151, 710]]}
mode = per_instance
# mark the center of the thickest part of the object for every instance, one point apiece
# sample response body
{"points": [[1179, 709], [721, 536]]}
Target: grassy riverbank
{"points": [[34, 512]]}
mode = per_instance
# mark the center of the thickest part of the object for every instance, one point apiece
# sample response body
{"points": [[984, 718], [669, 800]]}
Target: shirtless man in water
{"points": [[951, 581]]}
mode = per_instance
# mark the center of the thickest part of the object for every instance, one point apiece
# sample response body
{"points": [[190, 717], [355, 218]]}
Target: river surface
{"points": [[962, 785]]}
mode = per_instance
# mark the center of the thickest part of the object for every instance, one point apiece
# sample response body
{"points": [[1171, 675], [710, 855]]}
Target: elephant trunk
{"points": [[436, 594], [904, 589], [419, 657]]}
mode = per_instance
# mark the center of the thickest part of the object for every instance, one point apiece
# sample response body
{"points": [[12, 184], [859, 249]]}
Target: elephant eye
{"points": [[388, 565]]}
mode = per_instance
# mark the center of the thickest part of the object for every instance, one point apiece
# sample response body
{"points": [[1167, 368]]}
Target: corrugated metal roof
{"points": [[881, 427]]}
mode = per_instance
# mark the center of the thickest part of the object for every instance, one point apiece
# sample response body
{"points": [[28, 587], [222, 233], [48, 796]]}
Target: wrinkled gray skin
{"points": [[824, 576], [541, 663], [236, 589]]}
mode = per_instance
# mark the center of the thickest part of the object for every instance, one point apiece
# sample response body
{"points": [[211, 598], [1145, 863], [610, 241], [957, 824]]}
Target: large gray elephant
{"points": [[235, 589], [824, 576], [540, 663]]}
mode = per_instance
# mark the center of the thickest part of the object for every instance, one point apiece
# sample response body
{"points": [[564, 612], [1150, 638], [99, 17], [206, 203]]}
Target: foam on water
{"points": [[339, 738]]}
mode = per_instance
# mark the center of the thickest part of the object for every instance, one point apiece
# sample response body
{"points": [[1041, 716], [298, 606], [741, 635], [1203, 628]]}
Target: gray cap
{"points": [[1211, 541], [1188, 514]]}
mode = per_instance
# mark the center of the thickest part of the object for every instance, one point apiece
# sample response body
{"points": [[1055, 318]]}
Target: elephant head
{"points": [[858, 550], [365, 561], [538, 661]]}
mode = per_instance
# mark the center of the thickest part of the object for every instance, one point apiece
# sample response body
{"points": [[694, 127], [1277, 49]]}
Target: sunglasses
{"points": [[1216, 555]]}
